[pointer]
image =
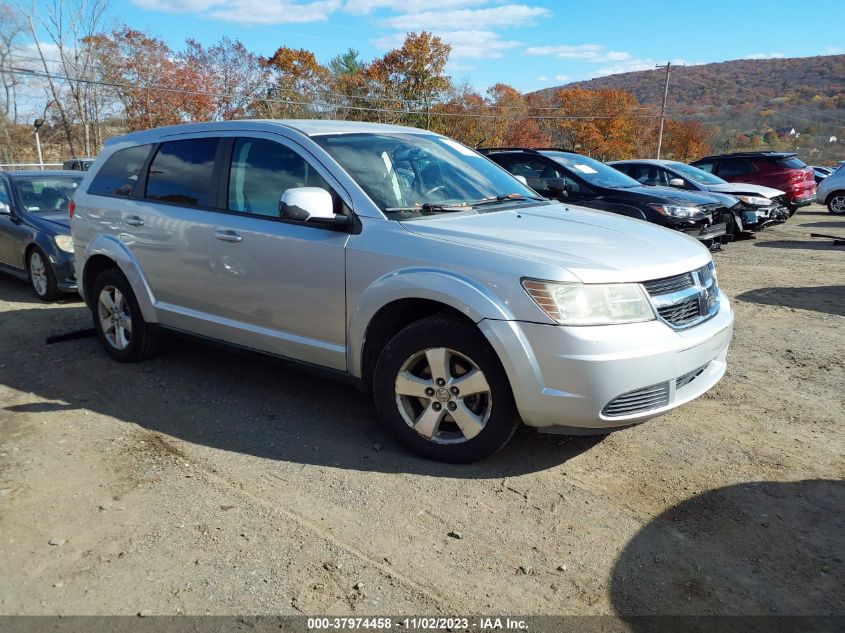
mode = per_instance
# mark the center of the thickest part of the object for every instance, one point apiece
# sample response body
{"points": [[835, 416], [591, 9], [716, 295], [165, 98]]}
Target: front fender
{"points": [[446, 287], [115, 250]]}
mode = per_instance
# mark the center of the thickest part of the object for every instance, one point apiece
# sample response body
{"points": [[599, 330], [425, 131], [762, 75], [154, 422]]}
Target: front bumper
{"points": [[64, 269], [567, 376]]}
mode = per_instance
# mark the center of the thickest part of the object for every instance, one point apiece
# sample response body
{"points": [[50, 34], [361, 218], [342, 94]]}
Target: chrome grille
{"points": [[669, 284], [685, 300], [680, 314], [638, 401]]}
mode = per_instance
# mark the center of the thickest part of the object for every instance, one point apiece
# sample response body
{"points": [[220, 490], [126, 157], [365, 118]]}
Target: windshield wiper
{"points": [[427, 207], [502, 198]]}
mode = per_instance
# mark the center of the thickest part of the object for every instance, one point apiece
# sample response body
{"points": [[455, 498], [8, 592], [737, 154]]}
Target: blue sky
{"points": [[528, 44]]}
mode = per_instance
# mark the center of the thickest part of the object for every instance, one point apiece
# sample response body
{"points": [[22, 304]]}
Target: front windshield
{"points": [[593, 171], [420, 173], [698, 175], [43, 194]]}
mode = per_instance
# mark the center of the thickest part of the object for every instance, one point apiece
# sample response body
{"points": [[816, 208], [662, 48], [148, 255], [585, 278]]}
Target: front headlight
{"points": [[756, 201], [590, 304], [676, 211], [64, 242]]}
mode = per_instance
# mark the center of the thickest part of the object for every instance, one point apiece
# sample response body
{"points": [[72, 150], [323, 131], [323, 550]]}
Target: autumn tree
{"points": [[152, 85], [296, 82], [685, 140], [414, 74], [460, 115], [229, 72], [349, 84]]}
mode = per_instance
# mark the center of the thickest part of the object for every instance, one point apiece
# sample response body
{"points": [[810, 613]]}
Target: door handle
{"points": [[134, 220], [227, 236]]}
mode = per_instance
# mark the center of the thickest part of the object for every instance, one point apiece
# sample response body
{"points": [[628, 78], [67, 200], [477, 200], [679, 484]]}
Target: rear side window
{"points": [[182, 173], [792, 162], [735, 167], [118, 175]]}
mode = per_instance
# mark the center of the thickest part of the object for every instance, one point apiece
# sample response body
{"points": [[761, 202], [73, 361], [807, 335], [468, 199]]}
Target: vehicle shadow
{"points": [[811, 244], [232, 402], [757, 548], [829, 299]]}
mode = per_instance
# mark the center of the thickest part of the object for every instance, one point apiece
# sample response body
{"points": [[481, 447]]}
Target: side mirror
{"points": [[677, 182], [522, 179], [4, 209], [558, 186], [310, 204]]}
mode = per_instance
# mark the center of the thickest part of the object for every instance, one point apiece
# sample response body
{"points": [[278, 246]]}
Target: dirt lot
{"points": [[207, 482]]}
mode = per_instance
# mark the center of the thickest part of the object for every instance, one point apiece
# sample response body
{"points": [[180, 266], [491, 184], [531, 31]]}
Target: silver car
{"points": [[405, 262], [831, 191]]}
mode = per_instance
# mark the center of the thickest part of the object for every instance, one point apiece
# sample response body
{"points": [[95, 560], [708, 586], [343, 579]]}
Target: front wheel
{"points": [[836, 203], [118, 321], [440, 389], [41, 275]]}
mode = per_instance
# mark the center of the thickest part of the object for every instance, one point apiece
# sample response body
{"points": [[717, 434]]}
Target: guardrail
{"points": [[22, 166]]}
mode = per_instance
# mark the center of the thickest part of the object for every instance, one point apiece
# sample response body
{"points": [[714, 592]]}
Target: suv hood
{"points": [[594, 246], [742, 187]]}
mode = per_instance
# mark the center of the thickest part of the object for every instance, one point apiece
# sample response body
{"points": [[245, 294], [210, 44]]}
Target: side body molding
{"points": [[115, 250], [447, 287]]}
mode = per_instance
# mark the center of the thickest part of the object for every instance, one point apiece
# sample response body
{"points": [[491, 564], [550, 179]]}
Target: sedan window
{"points": [[41, 194]]}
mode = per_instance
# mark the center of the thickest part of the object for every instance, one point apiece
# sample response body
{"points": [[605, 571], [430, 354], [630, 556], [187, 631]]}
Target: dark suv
{"points": [[586, 182], [780, 170]]}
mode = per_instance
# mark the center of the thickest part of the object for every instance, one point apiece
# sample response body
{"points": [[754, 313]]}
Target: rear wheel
{"points": [[836, 203], [118, 321], [440, 389], [41, 275]]}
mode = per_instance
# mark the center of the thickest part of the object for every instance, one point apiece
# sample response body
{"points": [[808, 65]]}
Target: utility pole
{"points": [[663, 108]]}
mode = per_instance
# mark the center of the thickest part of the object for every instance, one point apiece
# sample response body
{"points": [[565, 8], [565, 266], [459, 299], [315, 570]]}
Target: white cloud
{"points": [[249, 11], [834, 50], [562, 77], [589, 52], [363, 7], [764, 56], [465, 44], [633, 65], [503, 16], [543, 78]]}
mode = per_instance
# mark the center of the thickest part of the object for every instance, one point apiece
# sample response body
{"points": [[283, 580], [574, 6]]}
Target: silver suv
{"points": [[405, 262]]}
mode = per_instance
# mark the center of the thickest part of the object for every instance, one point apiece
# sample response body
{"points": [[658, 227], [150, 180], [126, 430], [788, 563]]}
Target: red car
{"points": [[779, 170]]}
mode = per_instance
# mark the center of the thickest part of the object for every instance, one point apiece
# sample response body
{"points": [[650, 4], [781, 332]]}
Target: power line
{"points": [[316, 104]]}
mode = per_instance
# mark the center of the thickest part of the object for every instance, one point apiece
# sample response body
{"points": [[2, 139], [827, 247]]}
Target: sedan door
{"points": [[12, 233]]}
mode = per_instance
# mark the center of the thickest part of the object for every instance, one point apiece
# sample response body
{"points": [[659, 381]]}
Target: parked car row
{"points": [[464, 298]]}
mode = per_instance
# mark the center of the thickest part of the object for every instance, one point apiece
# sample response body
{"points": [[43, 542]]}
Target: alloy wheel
{"points": [[837, 203], [443, 395], [115, 317], [38, 273]]}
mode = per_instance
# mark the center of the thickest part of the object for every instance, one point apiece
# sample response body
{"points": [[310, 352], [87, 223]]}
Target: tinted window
{"points": [[181, 172], [705, 165], [262, 171], [697, 174], [735, 167], [792, 162], [4, 195], [591, 170], [117, 177]]}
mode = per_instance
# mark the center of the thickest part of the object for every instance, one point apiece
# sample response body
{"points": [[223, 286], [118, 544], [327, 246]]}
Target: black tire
{"points": [[836, 199], [144, 341], [792, 209], [46, 287], [443, 331]]}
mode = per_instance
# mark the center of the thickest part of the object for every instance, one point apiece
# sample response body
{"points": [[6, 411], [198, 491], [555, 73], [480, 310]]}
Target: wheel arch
{"points": [[402, 297], [835, 192], [107, 252]]}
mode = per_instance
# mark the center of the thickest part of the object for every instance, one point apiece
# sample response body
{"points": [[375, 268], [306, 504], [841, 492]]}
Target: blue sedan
{"points": [[35, 242]]}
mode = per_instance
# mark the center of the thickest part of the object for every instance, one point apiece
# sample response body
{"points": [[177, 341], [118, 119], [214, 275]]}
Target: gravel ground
{"points": [[208, 482]]}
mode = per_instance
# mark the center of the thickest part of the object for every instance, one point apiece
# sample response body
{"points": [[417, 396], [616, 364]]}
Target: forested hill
{"points": [[780, 84]]}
